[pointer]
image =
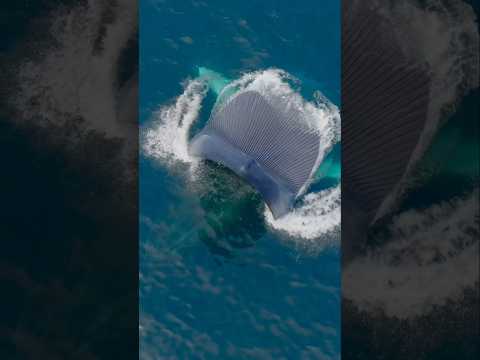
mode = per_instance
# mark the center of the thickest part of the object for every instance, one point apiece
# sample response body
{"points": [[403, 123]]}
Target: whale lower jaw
{"points": [[278, 197]]}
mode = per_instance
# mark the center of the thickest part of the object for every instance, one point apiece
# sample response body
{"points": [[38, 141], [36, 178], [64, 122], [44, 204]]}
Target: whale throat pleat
{"points": [[281, 145]]}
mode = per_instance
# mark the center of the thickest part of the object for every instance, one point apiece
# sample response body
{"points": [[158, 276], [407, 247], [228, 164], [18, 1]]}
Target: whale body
{"points": [[272, 151]]}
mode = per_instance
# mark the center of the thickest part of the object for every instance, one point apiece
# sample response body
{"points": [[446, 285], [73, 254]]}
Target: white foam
{"points": [[431, 256], [166, 138], [317, 216]]}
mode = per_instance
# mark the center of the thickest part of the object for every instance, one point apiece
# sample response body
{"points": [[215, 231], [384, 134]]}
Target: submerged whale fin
{"points": [[274, 152]]}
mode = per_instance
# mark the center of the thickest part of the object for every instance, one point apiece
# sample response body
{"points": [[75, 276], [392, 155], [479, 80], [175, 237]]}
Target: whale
{"points": [[270, 150]]}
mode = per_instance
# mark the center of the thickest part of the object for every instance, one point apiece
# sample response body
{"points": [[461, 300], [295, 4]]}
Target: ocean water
{"points": [[219, 277]]}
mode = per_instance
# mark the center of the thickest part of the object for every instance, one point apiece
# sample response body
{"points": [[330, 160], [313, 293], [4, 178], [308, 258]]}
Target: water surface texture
{"points": [[219, 277]]}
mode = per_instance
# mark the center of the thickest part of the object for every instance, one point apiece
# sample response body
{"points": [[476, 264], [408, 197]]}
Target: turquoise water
{"points": [[217, 279]]}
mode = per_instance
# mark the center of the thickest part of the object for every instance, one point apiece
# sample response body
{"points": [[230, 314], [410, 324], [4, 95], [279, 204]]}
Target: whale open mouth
{"points": [[272, 151]]}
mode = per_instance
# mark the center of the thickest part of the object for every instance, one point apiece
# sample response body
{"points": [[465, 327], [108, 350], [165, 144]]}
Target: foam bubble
{"points": [[166, 139], [317, 215]]}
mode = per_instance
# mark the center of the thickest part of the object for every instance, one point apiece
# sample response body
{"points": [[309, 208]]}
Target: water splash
{"points": [[431, 255], [166, 138], [317, 215]]}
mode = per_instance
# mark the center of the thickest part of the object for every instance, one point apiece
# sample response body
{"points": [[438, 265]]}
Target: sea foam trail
{"points": [[431, 257], [317, 214], [166, 139]]}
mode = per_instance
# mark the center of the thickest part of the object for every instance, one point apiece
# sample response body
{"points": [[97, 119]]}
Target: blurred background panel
{"points": [[68, 149], [410, 161]]}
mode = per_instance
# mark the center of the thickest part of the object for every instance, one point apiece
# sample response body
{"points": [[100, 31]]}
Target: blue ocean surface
{"points": [[219, 278]]}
